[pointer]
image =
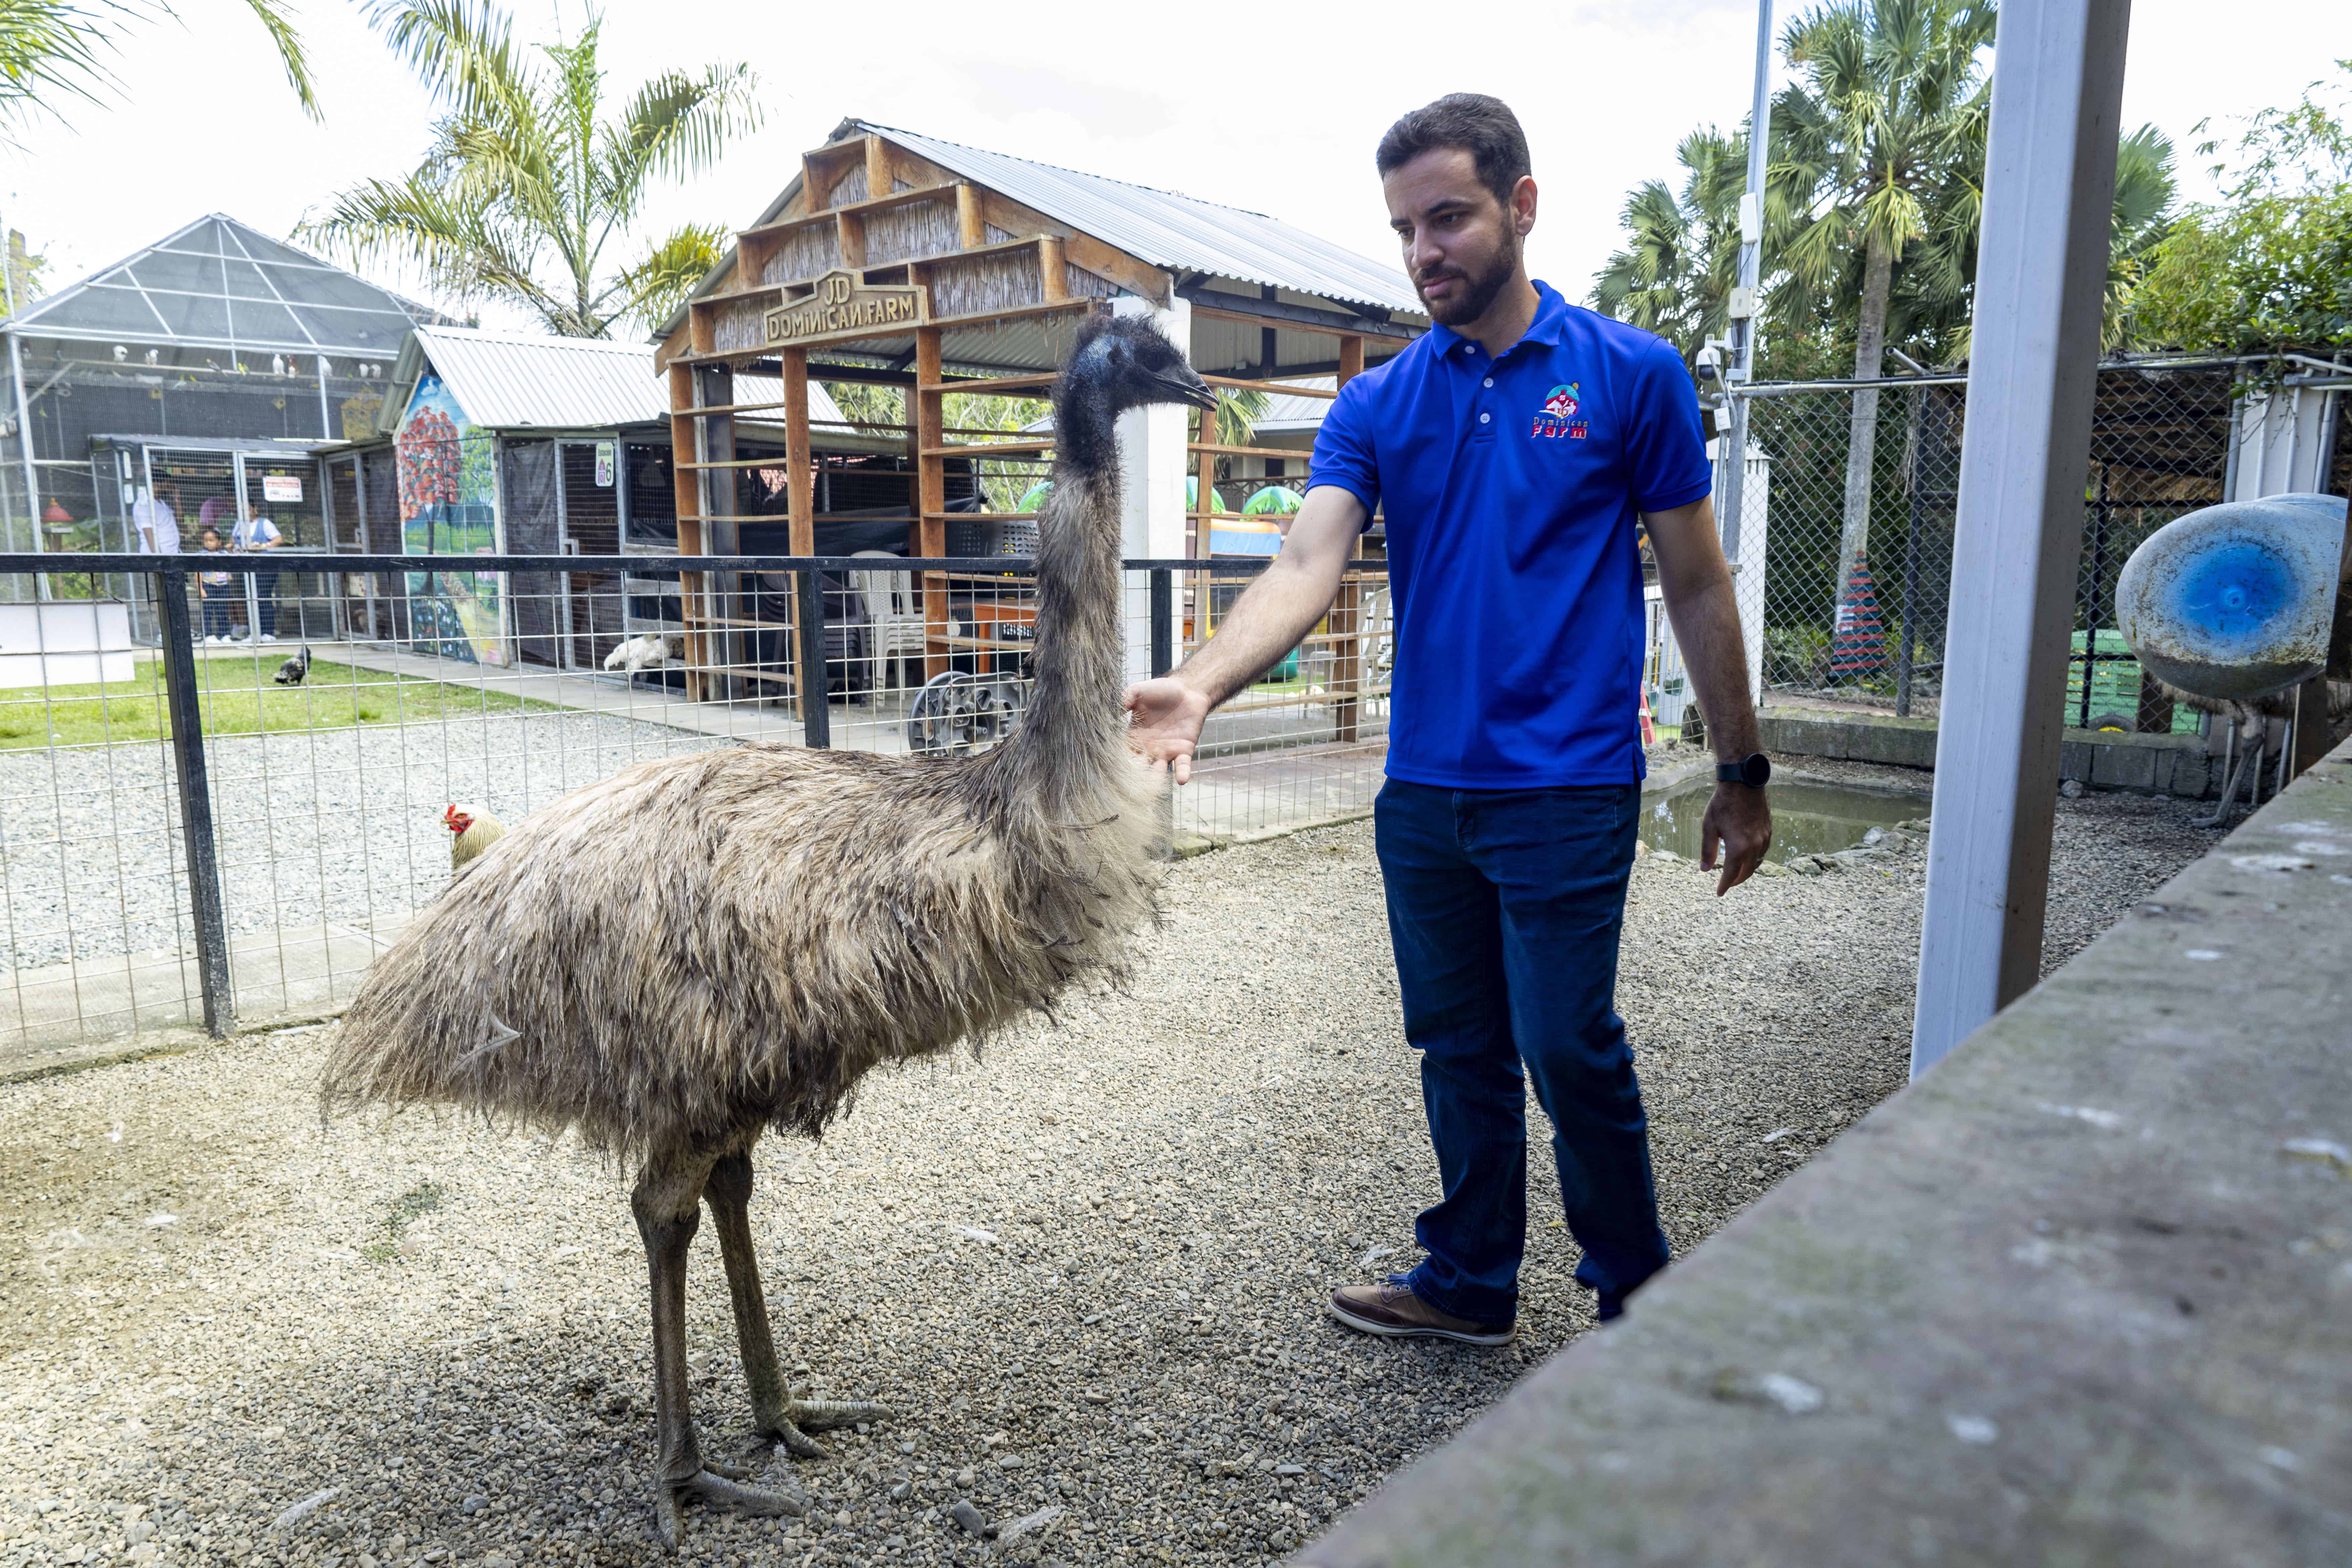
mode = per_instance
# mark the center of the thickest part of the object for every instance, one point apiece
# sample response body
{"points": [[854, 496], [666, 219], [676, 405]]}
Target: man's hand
{"points": [[1164, 720], [1267, 621], [1741, 819]]}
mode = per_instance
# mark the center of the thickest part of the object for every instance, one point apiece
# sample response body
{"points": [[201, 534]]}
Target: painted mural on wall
{"points": [[449, 506]]}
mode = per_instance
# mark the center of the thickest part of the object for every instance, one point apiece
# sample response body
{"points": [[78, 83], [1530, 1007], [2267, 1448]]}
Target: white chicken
{"points": [[647, 651]]}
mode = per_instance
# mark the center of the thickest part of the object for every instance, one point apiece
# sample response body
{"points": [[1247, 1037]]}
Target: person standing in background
{"points": [[155, 521], [255, 532]]}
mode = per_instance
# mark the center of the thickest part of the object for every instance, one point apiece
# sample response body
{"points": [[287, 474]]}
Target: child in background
{"points": [[214, 589]]}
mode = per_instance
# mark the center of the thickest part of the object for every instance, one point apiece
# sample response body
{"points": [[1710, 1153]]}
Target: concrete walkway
{"points": [[2082, 1295]]}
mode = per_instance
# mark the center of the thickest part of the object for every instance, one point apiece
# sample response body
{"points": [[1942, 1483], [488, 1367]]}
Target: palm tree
{"points": [[530, 182], [2143, 216], [1681, 257], [1887, 126], [54, 49]]}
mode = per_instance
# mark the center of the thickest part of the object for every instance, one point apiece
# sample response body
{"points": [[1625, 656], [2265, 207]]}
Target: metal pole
{"points": [[1911, 555], [24, 449], [195, 805], [2049, 175], [1744, 303], [2090, 599], [816, 702], [1163, 621], [252, 593]]}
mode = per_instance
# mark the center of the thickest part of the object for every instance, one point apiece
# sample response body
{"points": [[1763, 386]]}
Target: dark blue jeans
{"points": [[1505, 907]]}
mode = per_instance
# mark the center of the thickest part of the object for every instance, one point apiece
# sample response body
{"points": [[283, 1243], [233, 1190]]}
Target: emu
{"points": [[701, 948]]}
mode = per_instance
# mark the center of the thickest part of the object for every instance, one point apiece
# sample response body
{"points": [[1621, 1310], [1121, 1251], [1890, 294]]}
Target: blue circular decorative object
{"points": [[2234, 590], [2235, 601]]}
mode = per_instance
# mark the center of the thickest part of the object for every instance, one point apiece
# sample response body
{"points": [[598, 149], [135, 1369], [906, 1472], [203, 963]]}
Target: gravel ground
{"points": [[331, 825], [1086, 1270]]}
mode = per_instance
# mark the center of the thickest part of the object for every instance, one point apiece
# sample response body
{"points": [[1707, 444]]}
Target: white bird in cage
{"points": [[650, 651]]}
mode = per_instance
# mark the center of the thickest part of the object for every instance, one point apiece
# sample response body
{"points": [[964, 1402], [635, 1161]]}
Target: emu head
{"points": [[1125, 362]]}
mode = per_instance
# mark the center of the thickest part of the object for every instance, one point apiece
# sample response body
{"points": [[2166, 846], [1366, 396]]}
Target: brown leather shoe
{"points": [[1392, 1308]]}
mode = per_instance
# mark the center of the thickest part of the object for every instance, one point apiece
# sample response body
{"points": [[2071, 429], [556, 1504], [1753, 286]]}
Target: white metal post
{"points": [[1152, 459], [2040, 276], [1744, 303]]}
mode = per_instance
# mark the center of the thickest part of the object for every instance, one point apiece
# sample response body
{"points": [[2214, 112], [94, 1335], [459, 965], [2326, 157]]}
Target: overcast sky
{"points": [[1274, 107]]}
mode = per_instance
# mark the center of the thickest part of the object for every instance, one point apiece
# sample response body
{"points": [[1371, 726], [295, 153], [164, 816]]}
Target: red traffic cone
{"points": [[1859, 645]]}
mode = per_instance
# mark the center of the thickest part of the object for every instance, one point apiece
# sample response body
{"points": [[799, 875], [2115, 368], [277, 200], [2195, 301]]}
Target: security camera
{"points": [[1710, 361]]}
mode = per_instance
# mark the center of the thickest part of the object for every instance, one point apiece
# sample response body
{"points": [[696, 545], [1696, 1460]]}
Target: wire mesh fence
{"points": [[1849, 515], [323, 758]]}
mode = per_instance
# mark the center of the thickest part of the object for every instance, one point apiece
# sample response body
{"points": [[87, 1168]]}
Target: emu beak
{"points": [[1181, 385]]}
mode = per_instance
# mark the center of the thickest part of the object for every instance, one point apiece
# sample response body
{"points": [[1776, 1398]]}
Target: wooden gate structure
{"points": [[901, 260]]}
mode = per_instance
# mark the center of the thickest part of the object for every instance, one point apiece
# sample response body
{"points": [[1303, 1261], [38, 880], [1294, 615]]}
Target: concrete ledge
{"points": [[2082, 1295], [2150, 764], [1848, 737]]}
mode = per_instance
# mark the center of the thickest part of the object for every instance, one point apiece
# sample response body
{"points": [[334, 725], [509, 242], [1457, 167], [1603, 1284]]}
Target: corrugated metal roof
{"points": [[1286, 414], [513, 381], [1175, 231]]}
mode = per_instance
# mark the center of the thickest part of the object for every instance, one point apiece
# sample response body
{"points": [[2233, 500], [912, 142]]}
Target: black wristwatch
{"points": [[1754, 770]]}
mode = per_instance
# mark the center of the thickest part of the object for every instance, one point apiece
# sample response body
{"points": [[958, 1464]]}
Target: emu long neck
{"points": [[1075, 733]]}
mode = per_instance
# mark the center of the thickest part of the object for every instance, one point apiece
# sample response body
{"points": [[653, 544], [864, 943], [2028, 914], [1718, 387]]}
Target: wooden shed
{"points": [[898, 259]]}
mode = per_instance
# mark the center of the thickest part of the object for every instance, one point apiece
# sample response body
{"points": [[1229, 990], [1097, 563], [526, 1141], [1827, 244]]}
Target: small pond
{"points": [[1808, 818]]}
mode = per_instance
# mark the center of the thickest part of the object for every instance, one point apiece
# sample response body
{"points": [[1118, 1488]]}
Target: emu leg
{"points": [[774, 1411], [667, 1203], [2229, 802]]}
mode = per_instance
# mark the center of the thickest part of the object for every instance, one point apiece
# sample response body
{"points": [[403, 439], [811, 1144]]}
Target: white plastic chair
{"points": [[896, 627], [1372, 621]]}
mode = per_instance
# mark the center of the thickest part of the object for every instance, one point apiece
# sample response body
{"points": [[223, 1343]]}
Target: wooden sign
{"points": [[845, 306]]}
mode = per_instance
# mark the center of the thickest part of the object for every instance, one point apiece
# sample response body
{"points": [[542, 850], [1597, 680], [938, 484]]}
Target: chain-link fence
{"points": [[1845, 563], [231, 821]]}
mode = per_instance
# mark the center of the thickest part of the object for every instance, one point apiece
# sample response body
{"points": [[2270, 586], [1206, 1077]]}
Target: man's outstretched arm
{"points": [[1267, 621], [1695, 583]]}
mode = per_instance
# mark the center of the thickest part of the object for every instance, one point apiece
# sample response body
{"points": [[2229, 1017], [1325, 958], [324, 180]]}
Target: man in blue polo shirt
{"points": [[1511, 451]]}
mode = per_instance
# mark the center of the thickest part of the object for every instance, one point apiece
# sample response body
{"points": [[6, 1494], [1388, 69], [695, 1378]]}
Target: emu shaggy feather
{"points": [[739, 936]]}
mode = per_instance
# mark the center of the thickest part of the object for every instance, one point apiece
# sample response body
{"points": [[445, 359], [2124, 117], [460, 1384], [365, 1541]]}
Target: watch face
{"points": [[1756, 769]]}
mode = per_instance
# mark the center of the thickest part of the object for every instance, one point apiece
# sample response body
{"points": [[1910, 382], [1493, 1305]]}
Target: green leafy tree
{"points": [[51, 50], [533, 181], [2269, 265]]}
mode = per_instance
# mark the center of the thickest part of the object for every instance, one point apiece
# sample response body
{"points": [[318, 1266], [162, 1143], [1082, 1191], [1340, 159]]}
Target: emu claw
{"points": [[719, 1490], [799, 1417]]}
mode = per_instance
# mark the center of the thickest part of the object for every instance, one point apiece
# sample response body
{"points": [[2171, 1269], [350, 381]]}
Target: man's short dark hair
{"points": [[1481, 126]]}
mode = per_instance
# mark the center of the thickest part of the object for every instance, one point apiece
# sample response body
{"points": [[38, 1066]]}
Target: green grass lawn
{"points": [[238, 699]]}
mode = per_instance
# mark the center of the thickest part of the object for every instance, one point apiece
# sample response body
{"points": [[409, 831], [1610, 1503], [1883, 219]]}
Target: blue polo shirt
{"points": [[1511, 486]]}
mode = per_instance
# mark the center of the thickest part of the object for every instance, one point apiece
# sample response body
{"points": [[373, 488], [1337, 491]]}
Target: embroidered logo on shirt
{"points": [[1559, 415]]}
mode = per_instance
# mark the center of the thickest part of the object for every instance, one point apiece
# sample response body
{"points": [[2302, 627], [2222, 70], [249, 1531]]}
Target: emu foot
{"points": [[791, 1424], [709, 1486]]}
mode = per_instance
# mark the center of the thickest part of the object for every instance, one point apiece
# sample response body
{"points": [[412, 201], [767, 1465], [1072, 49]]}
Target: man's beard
{"points": [[1483, 289]]}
